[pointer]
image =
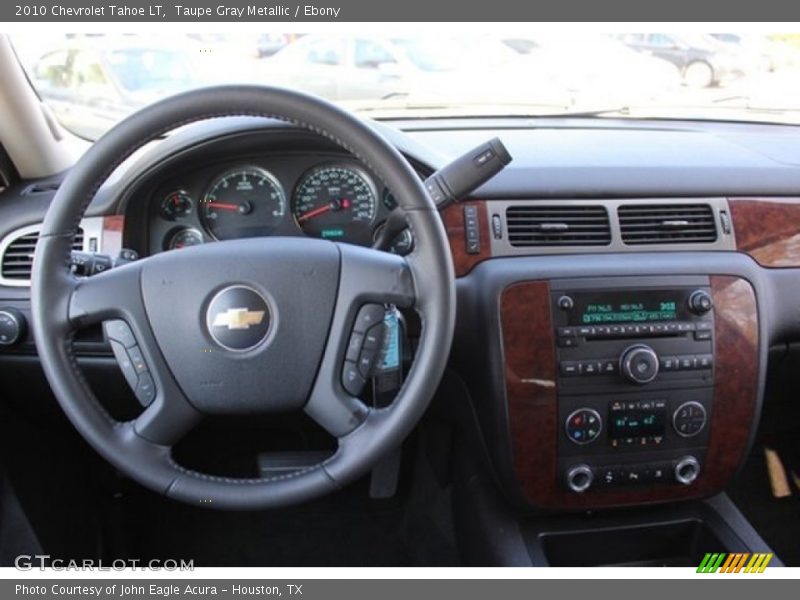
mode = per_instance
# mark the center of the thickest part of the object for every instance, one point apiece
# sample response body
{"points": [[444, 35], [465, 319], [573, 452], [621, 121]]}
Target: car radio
{"points": [[635, 379]]}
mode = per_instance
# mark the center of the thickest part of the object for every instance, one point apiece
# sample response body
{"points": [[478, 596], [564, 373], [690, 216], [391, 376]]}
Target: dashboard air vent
{"points": [[566, 225], [17, 259], [667, 224]]}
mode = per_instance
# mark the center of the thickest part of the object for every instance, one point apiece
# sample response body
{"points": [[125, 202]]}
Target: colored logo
{"points": [[238, 318], [739, 562]]}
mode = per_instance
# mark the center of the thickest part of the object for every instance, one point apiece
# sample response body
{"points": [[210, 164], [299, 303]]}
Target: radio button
{"points": [[608, 475], [704, 361], [590, 367], [668, 363], [686, 362], [570, 368], [566, 331], [567, 341], [586, 331], [608, 367], [702, 335]]}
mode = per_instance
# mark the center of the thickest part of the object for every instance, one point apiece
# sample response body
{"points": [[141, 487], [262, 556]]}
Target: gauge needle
{"points": [[223, 205], [314, 213], [336, 205]]}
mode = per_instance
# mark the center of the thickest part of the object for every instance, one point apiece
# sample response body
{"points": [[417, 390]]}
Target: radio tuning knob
{"points": [[639, 364], [700, 302]]}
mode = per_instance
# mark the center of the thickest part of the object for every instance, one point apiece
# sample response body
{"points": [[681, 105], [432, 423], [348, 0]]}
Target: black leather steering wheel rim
{"points": [[141, 449]]}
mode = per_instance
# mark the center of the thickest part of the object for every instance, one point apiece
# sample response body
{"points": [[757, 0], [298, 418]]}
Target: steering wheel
{"points": [[243, 327]]}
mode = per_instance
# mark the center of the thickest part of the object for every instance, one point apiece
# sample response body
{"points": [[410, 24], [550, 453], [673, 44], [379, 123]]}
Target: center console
{"points": [[635, 380], [628, 390]]}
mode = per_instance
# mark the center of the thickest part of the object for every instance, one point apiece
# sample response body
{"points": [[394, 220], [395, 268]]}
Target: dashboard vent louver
{"points": [[567, 225], [667, 224], [17, 259]]}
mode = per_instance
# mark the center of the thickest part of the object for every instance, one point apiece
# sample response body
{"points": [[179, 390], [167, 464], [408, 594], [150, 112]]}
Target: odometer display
{"points": [[336, 202], [243, 202]]}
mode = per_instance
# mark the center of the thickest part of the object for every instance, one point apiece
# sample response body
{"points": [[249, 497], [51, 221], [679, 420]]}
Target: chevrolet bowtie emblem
{"points": [[238, 318]]}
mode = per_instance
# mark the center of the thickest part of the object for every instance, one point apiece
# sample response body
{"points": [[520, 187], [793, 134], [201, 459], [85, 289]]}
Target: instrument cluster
{"points": [[330, 198]]}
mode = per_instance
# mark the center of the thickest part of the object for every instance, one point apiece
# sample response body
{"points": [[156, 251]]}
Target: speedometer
{"points": [[336, 202], [243, 202]]}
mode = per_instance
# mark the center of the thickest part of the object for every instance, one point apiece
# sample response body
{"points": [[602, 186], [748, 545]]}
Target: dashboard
{"points": [[576, 272]]}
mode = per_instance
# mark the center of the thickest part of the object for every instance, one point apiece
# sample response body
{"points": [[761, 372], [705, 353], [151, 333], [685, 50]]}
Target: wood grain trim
{"points": [[533, 409], [113, 227], [768, 229], [453, 218], [530, 371]]}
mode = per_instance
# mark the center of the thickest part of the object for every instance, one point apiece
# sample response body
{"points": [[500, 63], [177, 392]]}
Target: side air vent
{"points": [[17, 259], [566, 225], [46, 187], [667, 224]]}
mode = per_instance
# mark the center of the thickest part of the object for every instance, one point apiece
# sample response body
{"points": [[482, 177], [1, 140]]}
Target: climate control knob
{"points": [[686, 470], [12, 326], [700, 302], [639, 364], [579, 478]]}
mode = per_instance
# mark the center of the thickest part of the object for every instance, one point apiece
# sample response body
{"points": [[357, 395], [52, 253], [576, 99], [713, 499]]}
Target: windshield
{"points": [[92, 81]]}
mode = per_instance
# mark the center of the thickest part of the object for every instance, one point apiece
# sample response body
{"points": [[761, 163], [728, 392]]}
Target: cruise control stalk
{"points": [[452, 183]]}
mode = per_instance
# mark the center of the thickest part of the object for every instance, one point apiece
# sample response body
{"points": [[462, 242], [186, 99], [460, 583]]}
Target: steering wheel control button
{"points": [[125, 363], [579, 478], [374, 337], [689, 419], [137, 360], [354, 346], [687, 469], [238, 318], [368, 315], [12, 326], [119, 331], [583, 426], [145, 389], [639, 364], [352, 381]]}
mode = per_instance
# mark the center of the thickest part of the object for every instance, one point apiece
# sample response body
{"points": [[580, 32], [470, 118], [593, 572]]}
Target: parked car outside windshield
{"points": [[91, 82]]}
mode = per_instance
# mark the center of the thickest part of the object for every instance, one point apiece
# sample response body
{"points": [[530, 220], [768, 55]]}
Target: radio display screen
{"points": [[602, 308], [637, 419]]}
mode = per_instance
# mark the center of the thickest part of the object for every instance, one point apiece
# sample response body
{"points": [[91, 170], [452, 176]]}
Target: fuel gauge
{"points": [[176, 204]]}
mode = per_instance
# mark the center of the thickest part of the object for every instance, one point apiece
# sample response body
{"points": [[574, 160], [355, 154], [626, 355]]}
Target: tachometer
{"points": [[243, 202], [336, 202]]}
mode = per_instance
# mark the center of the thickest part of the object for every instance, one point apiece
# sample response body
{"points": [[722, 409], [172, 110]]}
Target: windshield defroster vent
{"points": [[667, 224], [17, 260], [567, 225]]}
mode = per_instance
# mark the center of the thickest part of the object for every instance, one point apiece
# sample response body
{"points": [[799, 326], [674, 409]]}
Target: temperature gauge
{"points": [[176, 204]]}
